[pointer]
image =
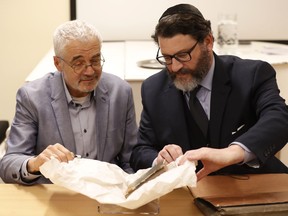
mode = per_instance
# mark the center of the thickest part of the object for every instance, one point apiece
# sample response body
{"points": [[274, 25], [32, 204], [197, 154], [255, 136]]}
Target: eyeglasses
{"points": [[181, 57], [80, 65]]}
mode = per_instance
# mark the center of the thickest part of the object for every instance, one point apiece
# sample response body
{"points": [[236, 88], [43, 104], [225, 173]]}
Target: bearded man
{"points": [[222, 111]]}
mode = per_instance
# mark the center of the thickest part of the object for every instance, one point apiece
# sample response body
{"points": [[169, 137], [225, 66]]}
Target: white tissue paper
{"points": [[107, 183]]}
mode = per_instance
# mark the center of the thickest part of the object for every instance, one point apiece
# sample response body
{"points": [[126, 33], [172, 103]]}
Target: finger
{"points": [[64, 155], [160, 159], [174, 151], [61, 153], [189, 155], [167, 156], [67, 153], [182, 160], [47, 153], [164, 155]]}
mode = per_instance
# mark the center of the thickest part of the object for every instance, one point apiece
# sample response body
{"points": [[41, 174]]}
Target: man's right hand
{"points": [[214, 159], [169, 153], [57, 150]]}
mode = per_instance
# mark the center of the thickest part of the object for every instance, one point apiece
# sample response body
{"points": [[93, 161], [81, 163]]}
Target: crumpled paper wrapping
{"points": [[107, 183]]}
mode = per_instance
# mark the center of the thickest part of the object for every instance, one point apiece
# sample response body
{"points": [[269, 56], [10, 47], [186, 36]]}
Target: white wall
{"points": [[27, 27], [26, 35], [136, 19]]}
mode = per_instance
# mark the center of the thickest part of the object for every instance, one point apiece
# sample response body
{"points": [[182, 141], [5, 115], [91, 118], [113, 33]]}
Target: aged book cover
{"points": [[258, 194]]}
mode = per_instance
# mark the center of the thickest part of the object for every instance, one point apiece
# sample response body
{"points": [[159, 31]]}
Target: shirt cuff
{"points": [[249, 157]]}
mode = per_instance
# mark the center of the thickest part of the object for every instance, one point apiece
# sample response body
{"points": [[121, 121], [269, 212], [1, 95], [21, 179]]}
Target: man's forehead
{"points": [[175, 44]]}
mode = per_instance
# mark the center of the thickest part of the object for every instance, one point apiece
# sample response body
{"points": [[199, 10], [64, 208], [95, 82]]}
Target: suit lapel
{"points": [[60, 107], [220, 92], [102, 117]]}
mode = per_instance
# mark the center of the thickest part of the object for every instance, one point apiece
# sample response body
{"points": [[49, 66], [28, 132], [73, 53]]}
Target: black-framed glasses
{"points": [[80, 65], [181, 57]]}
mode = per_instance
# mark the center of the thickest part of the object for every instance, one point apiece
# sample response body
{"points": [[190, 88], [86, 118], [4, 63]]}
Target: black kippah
{"points": [[182, 9]]}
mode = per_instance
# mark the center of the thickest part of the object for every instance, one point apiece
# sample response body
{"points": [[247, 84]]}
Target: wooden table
{"points": [[50, 200]]}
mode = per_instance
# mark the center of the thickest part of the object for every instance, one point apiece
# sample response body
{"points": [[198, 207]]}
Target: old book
{"points": [[257, 194]]}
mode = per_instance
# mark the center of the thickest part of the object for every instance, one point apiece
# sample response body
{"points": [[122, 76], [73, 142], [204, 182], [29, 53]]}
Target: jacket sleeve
{"points": [[21, 140], [144, 152], [270, 133]]}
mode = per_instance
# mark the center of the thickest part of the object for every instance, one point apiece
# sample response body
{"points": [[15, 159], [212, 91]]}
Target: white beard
{"points": [[185, 85]]}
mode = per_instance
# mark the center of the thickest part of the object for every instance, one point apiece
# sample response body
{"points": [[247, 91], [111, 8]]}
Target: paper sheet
{"points": [[107, 183]]}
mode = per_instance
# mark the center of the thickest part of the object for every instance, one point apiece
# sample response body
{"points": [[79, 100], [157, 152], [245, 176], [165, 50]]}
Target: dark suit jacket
{"points": [[42, 118], [244, 95]]}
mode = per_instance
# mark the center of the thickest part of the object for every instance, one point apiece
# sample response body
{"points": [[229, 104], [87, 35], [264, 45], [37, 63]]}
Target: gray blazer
{"points": [[42, 118]]}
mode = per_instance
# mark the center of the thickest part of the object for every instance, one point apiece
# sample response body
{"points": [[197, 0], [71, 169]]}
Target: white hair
{"points": [[73, 30]]}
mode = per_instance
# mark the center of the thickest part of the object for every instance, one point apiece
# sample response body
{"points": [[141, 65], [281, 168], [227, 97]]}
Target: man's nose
{"points": [[176, 65], [89, 69]]}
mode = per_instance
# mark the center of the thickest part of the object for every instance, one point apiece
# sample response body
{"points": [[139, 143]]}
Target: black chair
{"points": [[3, 128]]}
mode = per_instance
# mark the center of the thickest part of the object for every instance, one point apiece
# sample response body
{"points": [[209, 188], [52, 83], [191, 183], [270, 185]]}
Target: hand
{"points": [[214, 159], [57, 150], [169, 153]]}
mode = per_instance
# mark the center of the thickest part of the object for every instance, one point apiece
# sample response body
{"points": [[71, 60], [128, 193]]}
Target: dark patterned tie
{"points": [[197, 111]]}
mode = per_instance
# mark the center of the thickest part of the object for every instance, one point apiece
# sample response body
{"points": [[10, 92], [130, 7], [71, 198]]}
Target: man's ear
{"points": [[209, 41], [57, 63]]}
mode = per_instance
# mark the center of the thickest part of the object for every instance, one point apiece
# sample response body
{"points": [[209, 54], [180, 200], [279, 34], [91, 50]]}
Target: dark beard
{"points": [[197, 75]]}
